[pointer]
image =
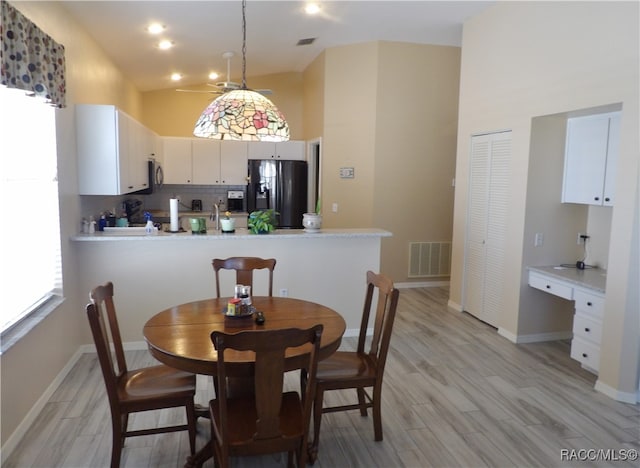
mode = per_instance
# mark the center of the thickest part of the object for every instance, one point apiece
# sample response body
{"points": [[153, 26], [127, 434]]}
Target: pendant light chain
{"points": [[242, 114], [244, 45]]}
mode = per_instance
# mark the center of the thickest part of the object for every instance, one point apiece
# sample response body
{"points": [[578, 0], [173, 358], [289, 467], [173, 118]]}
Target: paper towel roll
{"points": [[173, 211]]}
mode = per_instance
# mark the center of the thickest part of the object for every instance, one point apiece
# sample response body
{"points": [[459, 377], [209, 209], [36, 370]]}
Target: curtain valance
{"points": [[30, 59]]}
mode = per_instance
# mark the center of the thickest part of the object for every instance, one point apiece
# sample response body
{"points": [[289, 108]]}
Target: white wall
{"points": [[522, 60], [152, 275]]}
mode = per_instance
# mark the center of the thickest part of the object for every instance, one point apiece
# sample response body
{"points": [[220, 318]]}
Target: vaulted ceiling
{"points": [[201, 31]]}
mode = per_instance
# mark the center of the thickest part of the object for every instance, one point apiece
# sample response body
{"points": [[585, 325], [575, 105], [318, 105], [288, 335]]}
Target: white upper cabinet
{"points": [[591, 156], [201, 161], [141, 148], [233, 162], [205, 157], [113, 150], [291, 150], [177, 160]]}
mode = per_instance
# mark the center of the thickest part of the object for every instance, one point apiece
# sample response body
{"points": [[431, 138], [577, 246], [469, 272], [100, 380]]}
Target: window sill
{"points": [[20, 329]]}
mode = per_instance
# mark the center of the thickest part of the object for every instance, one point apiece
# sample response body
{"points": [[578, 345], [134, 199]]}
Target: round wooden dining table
{"points": [[180, 336]]}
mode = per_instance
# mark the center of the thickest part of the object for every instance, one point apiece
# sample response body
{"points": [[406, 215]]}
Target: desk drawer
{"points": [[550, 286], [590, 303], [588, 354], [587, 328]]}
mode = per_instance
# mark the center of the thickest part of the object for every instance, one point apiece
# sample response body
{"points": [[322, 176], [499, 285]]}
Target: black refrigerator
{"points": [[279, 185]]}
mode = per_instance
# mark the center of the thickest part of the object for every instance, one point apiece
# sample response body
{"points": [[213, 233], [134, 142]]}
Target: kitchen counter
{"points": [[241, 233], [590, 278]]}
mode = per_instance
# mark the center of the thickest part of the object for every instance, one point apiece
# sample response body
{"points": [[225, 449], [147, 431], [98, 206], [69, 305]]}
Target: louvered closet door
{"points": [[486, 225]]}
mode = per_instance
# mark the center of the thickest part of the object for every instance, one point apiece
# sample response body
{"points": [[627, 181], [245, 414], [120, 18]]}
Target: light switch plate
{"points": [[347, 173], [538, 239]]}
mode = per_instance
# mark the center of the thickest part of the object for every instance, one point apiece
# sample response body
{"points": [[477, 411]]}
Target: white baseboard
{"points": [[15, 438], [422, 284], [134, 346], [454, 305], [624, 397], [534, 337]]}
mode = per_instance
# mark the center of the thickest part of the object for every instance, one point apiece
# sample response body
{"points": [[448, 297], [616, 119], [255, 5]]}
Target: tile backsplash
{"points": [[94, 205], [209, 194]]}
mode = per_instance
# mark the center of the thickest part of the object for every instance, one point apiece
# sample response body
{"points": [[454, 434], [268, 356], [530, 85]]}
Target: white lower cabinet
{"points": [[587, 319], [587, 328]]}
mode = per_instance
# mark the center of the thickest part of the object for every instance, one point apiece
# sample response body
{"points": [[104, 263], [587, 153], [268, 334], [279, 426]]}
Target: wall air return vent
{"points": [[428, 259]]}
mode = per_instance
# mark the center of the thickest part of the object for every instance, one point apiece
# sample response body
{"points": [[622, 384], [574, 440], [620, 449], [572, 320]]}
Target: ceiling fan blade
{"points": [[197, 91]]}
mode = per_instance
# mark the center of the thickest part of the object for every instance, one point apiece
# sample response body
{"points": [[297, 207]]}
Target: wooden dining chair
{"points": [[361, 369], [269, 421], [132, 391], [244, 267]]}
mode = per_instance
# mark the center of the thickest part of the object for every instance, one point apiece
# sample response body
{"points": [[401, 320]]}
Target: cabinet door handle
{"points": [[587, 330], [548, 286], [589, 304], [596, 198], [584, 355], [607, 199]]}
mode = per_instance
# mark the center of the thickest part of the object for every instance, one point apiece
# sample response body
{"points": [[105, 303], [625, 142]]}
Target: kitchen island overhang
{"points": [[155, 272]]}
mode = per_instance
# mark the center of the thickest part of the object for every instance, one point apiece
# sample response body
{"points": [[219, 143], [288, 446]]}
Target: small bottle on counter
{"points": [[85, 226], [149, 228], [103, 222], [92, 225]]}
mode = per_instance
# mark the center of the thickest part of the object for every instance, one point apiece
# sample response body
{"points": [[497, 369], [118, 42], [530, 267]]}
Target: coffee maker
{"points": [[235, 200]]}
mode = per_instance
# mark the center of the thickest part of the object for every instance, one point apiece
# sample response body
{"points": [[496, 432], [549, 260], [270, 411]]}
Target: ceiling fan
{"points": [[225, 86]]}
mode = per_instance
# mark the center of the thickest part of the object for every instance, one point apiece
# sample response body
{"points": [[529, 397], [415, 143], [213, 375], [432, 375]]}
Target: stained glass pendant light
{"points": [[242, 114]]}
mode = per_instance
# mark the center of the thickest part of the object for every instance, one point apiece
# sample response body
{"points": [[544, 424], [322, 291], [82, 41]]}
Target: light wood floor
{"points": [[456, 394]]}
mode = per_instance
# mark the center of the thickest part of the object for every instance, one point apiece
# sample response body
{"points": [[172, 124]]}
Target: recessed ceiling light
{"points": [[312, 8], [165, 44], [213, 75], [155, 28], [176, 76]]}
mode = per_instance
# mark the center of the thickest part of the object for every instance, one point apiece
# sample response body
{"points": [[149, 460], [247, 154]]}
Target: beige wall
{"points": [[522, 60], [391, 113], [172, 113], [313, 92], [30, 366], [350, 107], [416, 125]]}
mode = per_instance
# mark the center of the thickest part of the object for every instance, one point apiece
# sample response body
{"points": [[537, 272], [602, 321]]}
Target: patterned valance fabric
{"points": [[30, 59]]}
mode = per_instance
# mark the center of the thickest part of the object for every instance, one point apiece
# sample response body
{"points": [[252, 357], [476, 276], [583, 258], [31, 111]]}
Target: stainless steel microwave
{"points": [[156, 178]]}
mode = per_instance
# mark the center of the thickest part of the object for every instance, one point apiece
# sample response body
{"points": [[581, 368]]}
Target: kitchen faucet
{"points": [[216, 212]]}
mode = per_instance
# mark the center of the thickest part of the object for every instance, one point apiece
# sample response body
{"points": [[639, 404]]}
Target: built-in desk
{"points": [[587, 289]]}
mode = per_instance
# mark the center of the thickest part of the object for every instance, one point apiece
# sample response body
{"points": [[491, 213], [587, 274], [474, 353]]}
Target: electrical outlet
{"points": [[334, 207], [284, 292]]}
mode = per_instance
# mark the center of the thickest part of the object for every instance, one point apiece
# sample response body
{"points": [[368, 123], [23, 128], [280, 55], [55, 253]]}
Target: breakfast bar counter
{"points": [[156, 272], [242, 233]]}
